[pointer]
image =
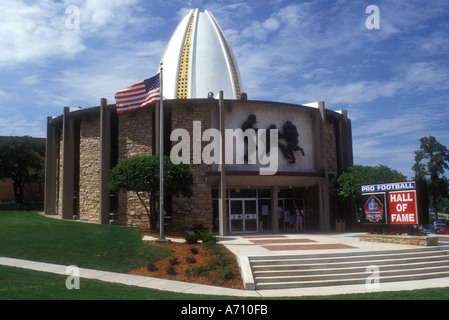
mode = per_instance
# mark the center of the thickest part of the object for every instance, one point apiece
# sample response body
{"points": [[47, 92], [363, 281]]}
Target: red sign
{"points": [[403, 207]]}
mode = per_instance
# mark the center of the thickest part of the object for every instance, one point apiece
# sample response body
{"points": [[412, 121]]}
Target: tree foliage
{"points": [[431, 161], [22, 161], [349, 183], [141, 175]]}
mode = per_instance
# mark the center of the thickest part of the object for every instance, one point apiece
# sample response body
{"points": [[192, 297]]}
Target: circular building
{"points": [[253, 162]]}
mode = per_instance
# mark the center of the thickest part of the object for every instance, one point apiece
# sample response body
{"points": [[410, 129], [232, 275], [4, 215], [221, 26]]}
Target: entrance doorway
{"points": [[250, 209], [243, 215]]}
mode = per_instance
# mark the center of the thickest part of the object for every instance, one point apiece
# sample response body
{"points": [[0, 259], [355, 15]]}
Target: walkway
{"points": [[243, 246]]}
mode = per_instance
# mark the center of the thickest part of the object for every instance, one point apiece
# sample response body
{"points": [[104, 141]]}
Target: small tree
{"points": [[349, 183], [22, 161], [141, 175]]}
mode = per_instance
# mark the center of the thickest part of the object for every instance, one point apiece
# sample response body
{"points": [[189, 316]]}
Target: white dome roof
{"points": [[199, 60]]}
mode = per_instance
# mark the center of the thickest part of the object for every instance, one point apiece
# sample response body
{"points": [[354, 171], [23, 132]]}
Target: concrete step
{"points": [[351, 275], [444, 248], [296, 271], [276, 265], [294, 259], [349, 281]]}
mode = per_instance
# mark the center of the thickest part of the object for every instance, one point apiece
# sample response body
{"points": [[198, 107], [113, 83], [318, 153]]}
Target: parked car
{"points": [[444, 230], [426, 228], [437, 225]]}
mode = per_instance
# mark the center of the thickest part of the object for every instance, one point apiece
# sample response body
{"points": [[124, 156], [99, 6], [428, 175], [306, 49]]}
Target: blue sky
{"points": [[393, 81]]}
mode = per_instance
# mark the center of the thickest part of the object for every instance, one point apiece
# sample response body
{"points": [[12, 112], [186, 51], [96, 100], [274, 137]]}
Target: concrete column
{"points": [[274, 209], [105, 161], [50, 170], [68, 145], [323, 187], [222, 203], [345, 142]]}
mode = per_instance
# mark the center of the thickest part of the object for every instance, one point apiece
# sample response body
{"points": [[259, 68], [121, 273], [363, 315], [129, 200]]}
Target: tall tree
{"points": [[431, 161], [141, 175], [22, 161]]}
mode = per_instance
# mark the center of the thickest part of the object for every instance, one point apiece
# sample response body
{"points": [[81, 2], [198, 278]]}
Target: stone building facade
{"points": [[83, 145]]}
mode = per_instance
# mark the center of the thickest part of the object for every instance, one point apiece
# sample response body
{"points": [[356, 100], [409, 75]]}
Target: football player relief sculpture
{"points": [[290, 135]]}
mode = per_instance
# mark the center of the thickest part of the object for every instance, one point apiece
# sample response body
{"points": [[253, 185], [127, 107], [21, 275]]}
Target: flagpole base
{"points": [[161, 241]]}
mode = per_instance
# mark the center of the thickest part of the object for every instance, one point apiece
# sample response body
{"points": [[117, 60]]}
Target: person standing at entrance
{"points": [[299, 218], [281, 217], [286, 220]]}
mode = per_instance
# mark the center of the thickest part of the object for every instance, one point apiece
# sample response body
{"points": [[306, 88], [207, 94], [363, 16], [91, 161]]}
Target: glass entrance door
{"points": [[251, 216], [243, 215]]}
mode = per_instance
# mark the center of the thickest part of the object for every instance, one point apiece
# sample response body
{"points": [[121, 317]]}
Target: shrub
{"points": [[206, 236], [213, 248], [190, 260], [173, 261], [194, 250], [151, 267], [219, 261], [200, 232], [197, 271], [171, 270], [225, 273], [191, 238]]}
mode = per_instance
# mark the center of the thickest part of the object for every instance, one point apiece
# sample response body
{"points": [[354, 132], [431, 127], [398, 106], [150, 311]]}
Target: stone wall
{"points": [[331, 148], [401, 239], [89, 171], [135, 138], [196, 210]]}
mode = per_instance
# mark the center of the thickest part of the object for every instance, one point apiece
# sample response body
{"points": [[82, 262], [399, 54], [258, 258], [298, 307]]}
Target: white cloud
{"points": [[17, 125], [103, 76], [391, 136], [34, 31]]}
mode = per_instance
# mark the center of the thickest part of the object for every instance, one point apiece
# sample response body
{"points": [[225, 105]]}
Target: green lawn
{"points": [[22, 284], [27, 235]]}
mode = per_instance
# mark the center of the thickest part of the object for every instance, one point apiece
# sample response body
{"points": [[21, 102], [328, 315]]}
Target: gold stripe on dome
{"points": [[182, 89]]}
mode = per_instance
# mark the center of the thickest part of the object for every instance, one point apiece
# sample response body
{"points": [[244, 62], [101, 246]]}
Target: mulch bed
{"points": [[185, 259]]}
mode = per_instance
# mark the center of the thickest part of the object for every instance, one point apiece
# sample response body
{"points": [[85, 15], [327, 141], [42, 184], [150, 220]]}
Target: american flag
{"points": [[139, 95]]}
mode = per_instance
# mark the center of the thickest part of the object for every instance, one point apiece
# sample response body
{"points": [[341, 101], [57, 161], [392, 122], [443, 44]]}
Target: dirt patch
{"points": [[188, 256]]}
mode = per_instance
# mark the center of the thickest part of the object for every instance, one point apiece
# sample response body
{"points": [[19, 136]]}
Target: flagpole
{"points": [[161, 158]]}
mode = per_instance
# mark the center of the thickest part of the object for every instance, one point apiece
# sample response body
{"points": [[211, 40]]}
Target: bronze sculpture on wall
{"points": [[290, 134]]}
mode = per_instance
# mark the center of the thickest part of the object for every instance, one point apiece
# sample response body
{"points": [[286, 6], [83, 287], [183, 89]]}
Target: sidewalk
{"points": [[257, 244]]}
